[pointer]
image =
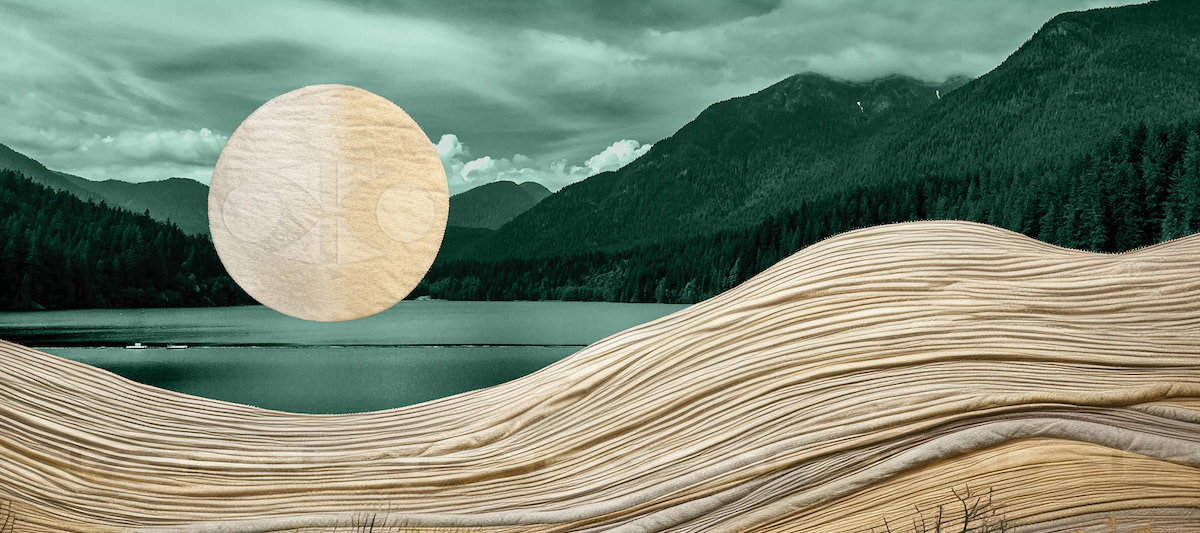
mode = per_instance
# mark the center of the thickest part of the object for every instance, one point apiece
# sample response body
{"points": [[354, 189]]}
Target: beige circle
{"points": [[328, 203]]}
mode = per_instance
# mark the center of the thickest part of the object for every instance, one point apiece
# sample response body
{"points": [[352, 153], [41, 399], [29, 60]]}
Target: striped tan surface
{"points": [[863, 376]]}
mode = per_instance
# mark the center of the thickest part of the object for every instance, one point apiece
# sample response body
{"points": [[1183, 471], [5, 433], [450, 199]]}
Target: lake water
{"points": [[416, 351]]}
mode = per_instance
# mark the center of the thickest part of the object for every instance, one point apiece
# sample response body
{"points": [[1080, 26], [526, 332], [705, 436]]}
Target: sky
{"points": [[551, 91]]}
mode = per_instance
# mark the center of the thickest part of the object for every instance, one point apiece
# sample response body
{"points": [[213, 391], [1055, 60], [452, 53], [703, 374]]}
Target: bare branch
{"points": [[979, 514]]}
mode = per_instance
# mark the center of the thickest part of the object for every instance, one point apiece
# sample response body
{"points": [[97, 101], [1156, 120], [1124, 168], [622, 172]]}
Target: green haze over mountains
{"points": [[1086, 137]]}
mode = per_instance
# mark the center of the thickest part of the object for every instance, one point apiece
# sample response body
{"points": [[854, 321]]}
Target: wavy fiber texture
{"points": [[863, 376]]}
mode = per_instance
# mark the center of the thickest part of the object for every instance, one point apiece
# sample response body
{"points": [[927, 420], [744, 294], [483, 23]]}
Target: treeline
{"points": [[59, 252], [1139, 188]]}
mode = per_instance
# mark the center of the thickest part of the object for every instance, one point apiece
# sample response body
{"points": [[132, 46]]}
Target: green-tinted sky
{"points": [[546, 90]]}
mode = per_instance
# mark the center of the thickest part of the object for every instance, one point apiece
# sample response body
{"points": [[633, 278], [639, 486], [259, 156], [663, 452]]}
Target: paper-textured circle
{"points": [[328, 203]]}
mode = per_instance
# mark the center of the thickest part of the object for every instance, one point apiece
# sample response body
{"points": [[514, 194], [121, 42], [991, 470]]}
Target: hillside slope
{"points": [[1135, 189], [181, 201], [708, 174], [494, 204], [1077, 81], [59, 252], [38, 173]]}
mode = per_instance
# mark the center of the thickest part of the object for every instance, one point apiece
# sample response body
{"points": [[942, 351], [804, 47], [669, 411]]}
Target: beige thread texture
{"points": [[867, 374]]}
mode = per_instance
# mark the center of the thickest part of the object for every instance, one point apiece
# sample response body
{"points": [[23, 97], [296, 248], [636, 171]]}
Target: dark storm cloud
{"points": [[579, 17], [249, 57], [547, 90]]}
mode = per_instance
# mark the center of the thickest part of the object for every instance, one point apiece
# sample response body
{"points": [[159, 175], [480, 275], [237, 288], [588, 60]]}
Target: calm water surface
{"points": [[414, 352]]}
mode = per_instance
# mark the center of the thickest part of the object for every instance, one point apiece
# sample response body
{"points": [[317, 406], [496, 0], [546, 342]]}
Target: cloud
{"points": [[464, 172], [617, 155], [450, 148], [586, 17], [548, 79], [188, 147]]}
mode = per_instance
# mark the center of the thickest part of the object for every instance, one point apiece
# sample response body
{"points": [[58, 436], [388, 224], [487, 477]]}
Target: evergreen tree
{"points": [[57, 251], [1129, 192]]}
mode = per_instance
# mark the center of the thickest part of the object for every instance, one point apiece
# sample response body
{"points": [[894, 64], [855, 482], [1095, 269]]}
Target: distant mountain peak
{"points": [[181, 201], [492, 205]]}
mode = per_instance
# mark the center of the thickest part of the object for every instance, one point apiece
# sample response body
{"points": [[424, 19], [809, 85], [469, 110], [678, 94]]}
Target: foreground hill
{"points": [[872, 373], [180, 201], [1074, 83]]}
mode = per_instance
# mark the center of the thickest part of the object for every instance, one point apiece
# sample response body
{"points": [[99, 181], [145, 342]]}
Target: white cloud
{"points": [[449, 147], [617, 155], [179, 146], [464, 173], [476, 168]]}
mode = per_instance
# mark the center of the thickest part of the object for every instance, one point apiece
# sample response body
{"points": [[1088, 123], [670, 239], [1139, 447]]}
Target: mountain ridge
{"points": [[181, 201], [1073, 83], [184, 201], [492, 205], [688, 170]]}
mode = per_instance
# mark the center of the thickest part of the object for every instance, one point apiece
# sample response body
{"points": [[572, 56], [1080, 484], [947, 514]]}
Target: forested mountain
{"points": [[1088, 136], [184, 202], [458, 239], [12, 160], [475, 214], [181, 201], [1139, 187], [710, 173], [1075, 82], [494, 204], [57, 251]]}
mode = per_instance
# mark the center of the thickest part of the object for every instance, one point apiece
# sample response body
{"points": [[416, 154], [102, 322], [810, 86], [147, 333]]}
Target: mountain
{"points": [[711, 173], [1135, 189], [494, 204], [181, 201], [1078, 80], [459, 239], [882, 374], [60, 252], [12, 160], [477, 213], [185, 202]]}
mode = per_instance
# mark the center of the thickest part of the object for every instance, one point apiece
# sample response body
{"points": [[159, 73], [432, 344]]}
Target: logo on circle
{"points": [[328, 203]]}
